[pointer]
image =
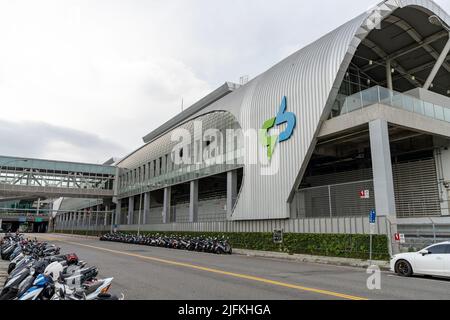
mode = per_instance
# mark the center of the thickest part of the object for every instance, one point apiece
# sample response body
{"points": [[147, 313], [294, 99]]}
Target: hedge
{"points": [[331, 245]]}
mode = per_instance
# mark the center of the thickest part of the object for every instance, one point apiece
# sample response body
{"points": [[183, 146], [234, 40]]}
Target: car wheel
{"points": [[403, 268]]}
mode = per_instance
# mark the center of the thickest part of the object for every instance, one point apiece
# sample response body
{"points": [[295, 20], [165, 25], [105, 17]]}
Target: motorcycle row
{"points": [[200, 244], [37, 271]]}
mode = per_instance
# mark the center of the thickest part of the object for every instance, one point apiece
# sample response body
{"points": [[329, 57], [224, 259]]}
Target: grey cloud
{"points": [[43, 140]]}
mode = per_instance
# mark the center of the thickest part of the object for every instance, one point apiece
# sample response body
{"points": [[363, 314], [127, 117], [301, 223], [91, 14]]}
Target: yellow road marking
{"points": [[217, 271]]}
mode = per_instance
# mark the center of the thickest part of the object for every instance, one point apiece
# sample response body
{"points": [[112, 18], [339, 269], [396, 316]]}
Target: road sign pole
{"points": [[372, 221]]}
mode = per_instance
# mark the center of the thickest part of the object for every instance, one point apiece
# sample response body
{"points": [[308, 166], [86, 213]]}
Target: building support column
{"points": [[442, 160], [166, 204], [389, 75], [193, 203], [105, 220], [96, 215], [85, 217], [383, 178], [118, 211], [231, 191], [130, 210], [146, 211], [71, 219]]}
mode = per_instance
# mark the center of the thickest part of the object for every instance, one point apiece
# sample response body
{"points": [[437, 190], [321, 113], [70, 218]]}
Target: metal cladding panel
{"points": [[310, 79], [306, 79]]}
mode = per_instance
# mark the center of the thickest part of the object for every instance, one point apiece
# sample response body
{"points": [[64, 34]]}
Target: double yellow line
{"points": [[217, 271]]}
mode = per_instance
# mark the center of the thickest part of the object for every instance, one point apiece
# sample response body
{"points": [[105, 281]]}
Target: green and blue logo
{"points": [[282, 117]]}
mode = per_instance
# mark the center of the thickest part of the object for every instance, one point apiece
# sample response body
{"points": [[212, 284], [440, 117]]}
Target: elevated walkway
{"points": [[48, 178]]}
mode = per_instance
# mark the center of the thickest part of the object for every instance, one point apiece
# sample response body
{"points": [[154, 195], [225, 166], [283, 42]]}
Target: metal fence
{"points": [[338, 200], [339, 225]]}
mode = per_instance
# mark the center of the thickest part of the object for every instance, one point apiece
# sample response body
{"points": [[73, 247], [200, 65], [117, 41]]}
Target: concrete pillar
{"points": [[105, 221], [96, 215], [442, 159], [389, 75], [382, 176], [166, 204], [85, 217], [118, 211], [146, 211], [130, 210], [193, 203], [231, 191]]}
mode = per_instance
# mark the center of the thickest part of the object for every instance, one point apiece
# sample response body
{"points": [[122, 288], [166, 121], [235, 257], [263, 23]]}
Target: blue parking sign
{"points": [[372, 216]]}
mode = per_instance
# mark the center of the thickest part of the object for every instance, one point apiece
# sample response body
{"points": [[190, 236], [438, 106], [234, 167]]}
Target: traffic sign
{"points": [[400, 237], [372, 217], [364, 194]]}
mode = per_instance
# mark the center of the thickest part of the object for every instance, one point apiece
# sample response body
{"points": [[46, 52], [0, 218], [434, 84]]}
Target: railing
{"points": [[395, 99], [337, 225]]}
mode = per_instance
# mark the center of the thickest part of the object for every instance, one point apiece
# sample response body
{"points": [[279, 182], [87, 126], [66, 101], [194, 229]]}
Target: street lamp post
{"points": [[140, 211]]}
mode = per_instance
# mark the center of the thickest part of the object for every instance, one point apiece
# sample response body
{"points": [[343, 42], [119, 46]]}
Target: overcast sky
{"points": [[86, 80]]}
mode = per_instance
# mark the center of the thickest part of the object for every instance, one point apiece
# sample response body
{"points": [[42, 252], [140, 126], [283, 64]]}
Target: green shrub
{"points": [[332, 245]]}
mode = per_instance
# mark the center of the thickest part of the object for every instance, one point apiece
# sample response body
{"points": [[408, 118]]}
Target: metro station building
{"points": [[357, 120]]}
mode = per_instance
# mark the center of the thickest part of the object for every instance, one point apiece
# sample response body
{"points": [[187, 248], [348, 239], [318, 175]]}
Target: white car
{"points": [[433, 260]]}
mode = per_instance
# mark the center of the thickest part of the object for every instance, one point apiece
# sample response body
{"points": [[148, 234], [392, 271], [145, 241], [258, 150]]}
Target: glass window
{"points": [[167, 164], [439, 249], [429, 109], [447, 114], [439, 112]]}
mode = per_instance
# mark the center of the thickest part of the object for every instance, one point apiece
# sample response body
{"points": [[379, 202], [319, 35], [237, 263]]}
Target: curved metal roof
{"points": [[310, 79]]}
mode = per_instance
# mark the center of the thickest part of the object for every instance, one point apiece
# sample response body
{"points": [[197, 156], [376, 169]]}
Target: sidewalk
{"points": [[383, 265], [337, 261]]}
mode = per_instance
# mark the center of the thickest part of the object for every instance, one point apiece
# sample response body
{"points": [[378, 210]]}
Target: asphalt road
{"points": [[142, 272]]}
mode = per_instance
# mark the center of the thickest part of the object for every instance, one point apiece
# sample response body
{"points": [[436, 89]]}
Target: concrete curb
{"points": [[74, 235], [383, 265]]}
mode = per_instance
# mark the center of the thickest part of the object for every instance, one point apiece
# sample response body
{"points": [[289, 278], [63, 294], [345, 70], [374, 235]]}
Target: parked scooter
{"points": [[200, 244]]}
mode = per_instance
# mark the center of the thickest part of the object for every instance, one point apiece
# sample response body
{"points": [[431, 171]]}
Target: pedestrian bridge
{"points": [[48, 178]]}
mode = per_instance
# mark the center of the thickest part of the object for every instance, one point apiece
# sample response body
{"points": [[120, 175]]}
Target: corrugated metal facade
{"points": [[310, 79]]}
